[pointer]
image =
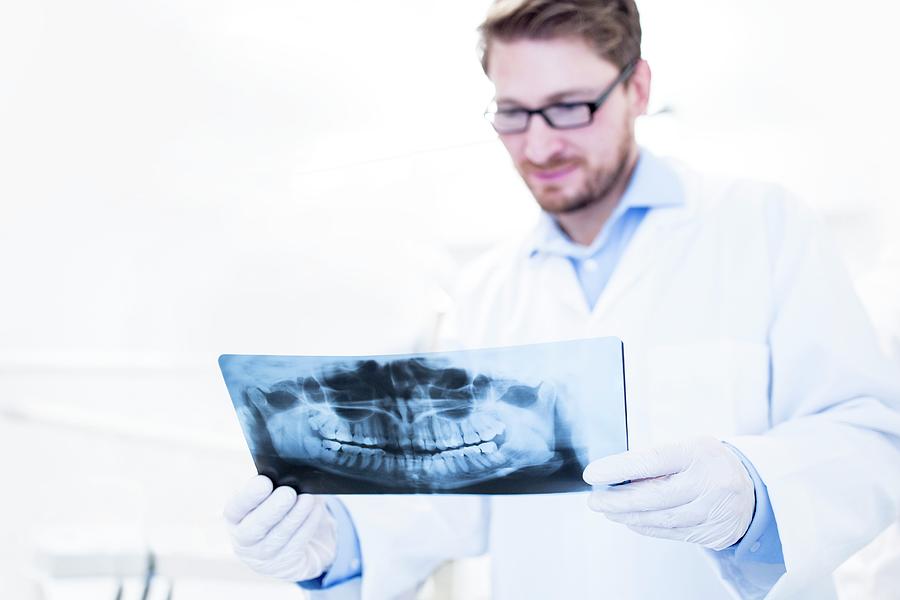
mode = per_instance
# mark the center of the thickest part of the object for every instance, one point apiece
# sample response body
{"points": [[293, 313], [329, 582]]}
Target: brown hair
{"points": [[611, 27]]}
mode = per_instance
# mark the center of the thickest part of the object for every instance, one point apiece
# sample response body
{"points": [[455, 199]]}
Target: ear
{"points": [[638, 88]]}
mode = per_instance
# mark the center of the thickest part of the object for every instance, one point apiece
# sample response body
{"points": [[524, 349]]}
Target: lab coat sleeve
{"points": [[831, 460], [347, 560], [404, 538], [756, 562]]}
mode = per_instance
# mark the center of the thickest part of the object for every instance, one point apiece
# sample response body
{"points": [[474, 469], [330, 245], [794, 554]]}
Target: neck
{"points": [[583, 225]]}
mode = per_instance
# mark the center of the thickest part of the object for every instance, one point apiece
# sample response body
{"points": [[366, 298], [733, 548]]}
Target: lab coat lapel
{"points": [[565, 282], [663, 230], [559, 315]]}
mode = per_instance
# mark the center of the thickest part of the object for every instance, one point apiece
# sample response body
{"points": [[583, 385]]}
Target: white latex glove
{"points": [[280, 534], [693, 491]]}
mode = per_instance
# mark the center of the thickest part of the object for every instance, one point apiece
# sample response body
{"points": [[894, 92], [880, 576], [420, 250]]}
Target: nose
{"points": [[542, 142]]}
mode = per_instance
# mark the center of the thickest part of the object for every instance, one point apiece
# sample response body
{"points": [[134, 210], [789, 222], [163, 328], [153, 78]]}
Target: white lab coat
{"points": [[875, 571], [709, 298]]}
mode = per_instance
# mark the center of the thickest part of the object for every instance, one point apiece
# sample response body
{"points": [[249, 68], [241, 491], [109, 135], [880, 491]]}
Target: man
{"points": [[763, 422]]}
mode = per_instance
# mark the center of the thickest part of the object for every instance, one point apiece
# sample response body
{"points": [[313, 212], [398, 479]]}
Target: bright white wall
{"points": [[172, 168], [798, 92], [184, 178]]}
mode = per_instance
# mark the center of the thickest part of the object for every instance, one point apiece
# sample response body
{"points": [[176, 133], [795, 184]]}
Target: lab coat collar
{"points": [[654, 184]]}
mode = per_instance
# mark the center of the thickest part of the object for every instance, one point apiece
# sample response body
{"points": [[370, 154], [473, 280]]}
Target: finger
{"points": [[247, 498], [284, 530], [300, 552], [691, 514], [638, 464], [257, 524], [680, 534], [305, 534], [323, 550], [646, 495]]}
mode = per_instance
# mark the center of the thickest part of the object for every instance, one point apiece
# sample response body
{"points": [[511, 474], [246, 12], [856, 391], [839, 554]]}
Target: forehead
{"points": [[530, 70]]}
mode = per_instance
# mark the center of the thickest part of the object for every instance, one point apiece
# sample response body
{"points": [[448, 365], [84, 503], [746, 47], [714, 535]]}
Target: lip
{"points": [[554, 174]]}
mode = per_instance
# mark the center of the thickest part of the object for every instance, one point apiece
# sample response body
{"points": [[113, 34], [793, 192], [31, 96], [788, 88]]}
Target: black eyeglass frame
{"points": [[592, 106]]}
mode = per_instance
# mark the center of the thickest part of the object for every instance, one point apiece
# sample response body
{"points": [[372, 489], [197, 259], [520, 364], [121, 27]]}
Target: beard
{"points": [[600, 183]]}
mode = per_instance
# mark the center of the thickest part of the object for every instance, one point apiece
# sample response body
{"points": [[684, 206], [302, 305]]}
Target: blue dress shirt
{"points": [[756, 561], [653, 185]]}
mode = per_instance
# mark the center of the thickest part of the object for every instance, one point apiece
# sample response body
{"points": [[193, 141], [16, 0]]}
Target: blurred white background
{"points": [[180, 179]]}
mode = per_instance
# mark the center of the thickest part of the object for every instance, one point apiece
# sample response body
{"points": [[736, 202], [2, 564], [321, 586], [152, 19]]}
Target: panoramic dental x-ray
{"points": [[520, 419]]}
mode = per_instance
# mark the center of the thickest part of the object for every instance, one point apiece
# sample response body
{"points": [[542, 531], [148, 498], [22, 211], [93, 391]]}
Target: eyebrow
{"points": [[557, 97]]}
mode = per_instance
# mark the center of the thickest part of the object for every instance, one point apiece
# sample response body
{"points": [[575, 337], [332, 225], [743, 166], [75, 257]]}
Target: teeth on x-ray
{"points": [[409, 422]]}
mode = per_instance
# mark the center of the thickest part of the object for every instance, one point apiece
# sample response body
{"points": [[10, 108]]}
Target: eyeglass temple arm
{"points": [[625, 74]]}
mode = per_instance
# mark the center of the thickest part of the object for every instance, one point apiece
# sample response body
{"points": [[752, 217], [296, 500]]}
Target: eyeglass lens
{"points": [[560, 115]]}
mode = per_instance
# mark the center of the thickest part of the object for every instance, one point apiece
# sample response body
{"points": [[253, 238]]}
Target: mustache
{"points": [[551, 165]]}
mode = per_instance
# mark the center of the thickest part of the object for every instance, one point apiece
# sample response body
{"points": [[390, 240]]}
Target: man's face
{"points": [[565, 169]]}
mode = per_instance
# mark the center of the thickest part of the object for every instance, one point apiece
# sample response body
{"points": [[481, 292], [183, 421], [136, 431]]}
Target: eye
{"points": [[520, 395], [565, 108], [568, 114], [510, 117]]}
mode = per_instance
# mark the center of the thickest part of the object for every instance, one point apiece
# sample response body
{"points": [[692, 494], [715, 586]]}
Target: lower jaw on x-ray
{"points": [[520, 419]]}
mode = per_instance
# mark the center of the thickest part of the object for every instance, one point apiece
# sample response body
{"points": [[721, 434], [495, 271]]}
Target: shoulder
{"points": [[746, 207]]}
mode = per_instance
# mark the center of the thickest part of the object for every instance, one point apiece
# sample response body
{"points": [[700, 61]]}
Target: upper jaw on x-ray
{"points": [[408, 423]]}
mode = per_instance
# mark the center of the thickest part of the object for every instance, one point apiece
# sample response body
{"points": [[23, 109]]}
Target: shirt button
{"points": [[754, 547], [590, 265]]}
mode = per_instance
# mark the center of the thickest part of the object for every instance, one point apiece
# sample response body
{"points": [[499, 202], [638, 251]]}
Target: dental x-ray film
{"points": [[511, 420]]}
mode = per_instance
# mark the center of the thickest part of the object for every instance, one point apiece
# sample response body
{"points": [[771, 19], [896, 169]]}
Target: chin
{"points": [[558, 204]]}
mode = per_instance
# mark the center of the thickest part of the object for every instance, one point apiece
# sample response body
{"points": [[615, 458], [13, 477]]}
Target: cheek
{"points": [[596, 142], [515, 146]]}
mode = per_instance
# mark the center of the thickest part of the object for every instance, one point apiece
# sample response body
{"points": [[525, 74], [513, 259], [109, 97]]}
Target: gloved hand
{"points": [[280, 534], [694, 491]]}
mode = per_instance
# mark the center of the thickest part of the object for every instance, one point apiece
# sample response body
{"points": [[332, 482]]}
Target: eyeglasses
{"points": [[562, 115]]}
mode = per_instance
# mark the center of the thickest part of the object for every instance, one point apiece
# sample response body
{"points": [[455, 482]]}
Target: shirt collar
{"points": [[654, 184]]}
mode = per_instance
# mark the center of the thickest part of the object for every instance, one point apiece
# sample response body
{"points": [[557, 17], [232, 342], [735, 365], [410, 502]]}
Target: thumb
{"points": [[638, 464]]}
